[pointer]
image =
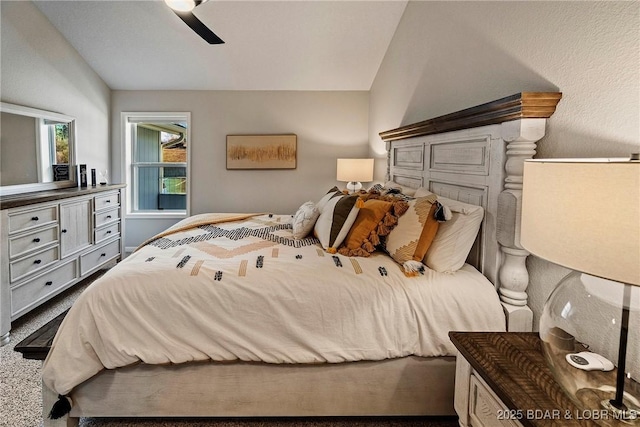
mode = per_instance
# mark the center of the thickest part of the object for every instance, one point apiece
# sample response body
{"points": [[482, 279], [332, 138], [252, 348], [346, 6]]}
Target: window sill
{"points": [[156, 215]]}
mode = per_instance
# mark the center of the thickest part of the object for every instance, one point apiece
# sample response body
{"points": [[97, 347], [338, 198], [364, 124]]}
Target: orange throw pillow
{"points": [[363, 236]]}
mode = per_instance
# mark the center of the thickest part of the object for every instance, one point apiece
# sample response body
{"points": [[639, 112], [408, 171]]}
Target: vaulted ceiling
{"points": [[269, 45]]}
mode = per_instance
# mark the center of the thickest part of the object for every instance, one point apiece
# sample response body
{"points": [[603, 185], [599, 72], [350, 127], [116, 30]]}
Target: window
{"points": [[59, 142], [157, 150], [53, 148]]}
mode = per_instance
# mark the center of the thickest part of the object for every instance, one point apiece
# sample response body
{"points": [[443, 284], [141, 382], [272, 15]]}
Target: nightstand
{"points": [[502, 379]]}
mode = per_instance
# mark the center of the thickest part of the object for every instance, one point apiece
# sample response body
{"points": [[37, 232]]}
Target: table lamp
{"points": [[353, 171], [584, 214]]}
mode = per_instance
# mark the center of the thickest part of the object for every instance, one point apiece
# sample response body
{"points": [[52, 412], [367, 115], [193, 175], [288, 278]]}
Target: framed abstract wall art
{"points": [[261, 151]]}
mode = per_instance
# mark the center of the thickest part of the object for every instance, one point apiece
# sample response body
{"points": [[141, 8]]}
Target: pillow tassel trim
{"points": [[443, 213], [61, 408], [370, 244], [413, 268]]}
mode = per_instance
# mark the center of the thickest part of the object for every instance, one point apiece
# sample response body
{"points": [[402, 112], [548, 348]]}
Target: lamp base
{"points": [[585, 313], [354, 186], [627, 413], [598, 407]]}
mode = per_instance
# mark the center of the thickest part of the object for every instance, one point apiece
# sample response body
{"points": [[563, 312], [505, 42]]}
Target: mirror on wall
{"points": [[37, 150]]}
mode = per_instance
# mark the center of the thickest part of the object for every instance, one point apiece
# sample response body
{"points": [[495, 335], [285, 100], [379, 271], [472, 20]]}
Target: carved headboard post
{"points": [[521, 137]]}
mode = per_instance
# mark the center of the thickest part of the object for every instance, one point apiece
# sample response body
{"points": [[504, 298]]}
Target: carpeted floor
{"points": [[21, 403]]}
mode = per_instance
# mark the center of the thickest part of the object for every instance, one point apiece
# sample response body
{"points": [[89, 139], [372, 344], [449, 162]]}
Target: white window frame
{"points": [[128, 118]]}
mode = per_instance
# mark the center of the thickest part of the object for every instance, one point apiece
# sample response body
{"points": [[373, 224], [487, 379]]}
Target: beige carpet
{"points": [[21, 403]]}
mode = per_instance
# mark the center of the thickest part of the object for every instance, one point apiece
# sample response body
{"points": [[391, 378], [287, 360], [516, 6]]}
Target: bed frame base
{"points": [[406, 386]]}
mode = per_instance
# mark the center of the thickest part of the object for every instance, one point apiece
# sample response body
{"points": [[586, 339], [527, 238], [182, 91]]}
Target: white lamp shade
{"points": [[354, 170], [584, 214]]}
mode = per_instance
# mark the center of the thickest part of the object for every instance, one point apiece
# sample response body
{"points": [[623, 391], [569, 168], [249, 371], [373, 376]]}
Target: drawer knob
{"points": [[36, 240], [108, 231], [34, 218], [103, 254], [107, 201], [38, 261], [108, 216], [64, 230], [49, 283]]}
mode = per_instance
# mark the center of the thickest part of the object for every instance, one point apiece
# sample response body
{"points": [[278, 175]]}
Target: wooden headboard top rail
{"points": [[477, 156], [518, 106]]}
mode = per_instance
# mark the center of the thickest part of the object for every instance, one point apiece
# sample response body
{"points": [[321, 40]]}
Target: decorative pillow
{"points": [[408, 191], [363, 236], [304, 220], [376, 187], [393, 188], [337, 215], [456, 237], [409, 241], [378, 216]]}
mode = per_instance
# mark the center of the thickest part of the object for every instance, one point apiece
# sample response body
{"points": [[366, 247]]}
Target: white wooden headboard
{"points": [[476, 156]]}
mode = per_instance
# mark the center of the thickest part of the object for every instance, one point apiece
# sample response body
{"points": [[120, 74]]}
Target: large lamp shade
{"points": [[584, 215]]}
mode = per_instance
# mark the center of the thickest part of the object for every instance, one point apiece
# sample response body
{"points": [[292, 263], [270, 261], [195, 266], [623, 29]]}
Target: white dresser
{"points": [[53, 239]]}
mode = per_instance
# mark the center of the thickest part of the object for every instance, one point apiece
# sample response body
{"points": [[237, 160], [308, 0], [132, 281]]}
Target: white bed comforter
{"points": [[246, 290]]}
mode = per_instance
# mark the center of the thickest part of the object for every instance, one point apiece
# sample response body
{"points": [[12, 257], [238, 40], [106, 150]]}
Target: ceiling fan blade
{"points": [[196, 25]]}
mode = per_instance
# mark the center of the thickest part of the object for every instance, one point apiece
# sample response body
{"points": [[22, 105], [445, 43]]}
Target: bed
{"points": [[237, 315]]}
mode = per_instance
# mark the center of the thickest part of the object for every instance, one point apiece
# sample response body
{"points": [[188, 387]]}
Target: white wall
{"points": [[41, 69], [446, 56], [328, 125]]}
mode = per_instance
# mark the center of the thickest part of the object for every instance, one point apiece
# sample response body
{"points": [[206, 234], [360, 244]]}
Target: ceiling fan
{"points": [[183, 8]]}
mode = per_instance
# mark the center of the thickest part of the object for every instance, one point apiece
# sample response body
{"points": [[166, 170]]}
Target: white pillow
{"points": [[455, 237], [304, 220], [337, 215]]}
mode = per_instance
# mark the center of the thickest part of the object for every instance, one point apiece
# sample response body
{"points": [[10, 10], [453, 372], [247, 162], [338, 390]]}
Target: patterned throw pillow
{"points": [[407, 191], [304, 220], [409, 241], [378, 188], [337, 215]]}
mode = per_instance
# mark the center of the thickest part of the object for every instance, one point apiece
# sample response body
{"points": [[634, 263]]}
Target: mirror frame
{"points": [[6, 107]]}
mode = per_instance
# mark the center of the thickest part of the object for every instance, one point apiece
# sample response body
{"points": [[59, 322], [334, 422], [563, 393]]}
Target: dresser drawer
{"points": [[106, 217], [106, 201], [26, 220], [486, 410], [36, 262], [35, 240], [107, 232], [96, 257], [30, 293]]}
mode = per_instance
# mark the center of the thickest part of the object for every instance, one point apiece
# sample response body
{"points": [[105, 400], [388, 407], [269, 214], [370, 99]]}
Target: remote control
{"points": [[589, 361]]}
